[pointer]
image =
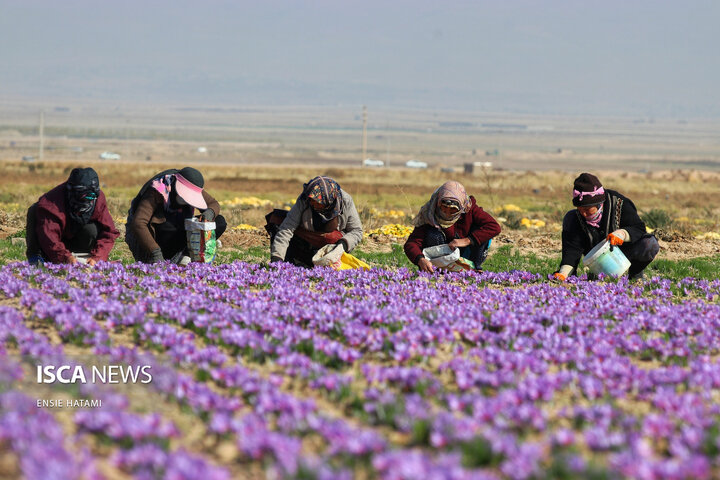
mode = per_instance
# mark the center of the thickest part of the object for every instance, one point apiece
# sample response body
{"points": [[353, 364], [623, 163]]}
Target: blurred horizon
{"points": [[624, 59]]}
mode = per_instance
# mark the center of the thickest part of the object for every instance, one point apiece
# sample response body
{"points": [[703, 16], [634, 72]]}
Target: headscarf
{"points": [[326, 192], [175, 213], [449, 193], [81, 192], [587, 190], [163, 185]]}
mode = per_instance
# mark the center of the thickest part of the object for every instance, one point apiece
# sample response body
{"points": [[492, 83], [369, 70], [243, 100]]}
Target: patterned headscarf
{"points": [[449, 193], [326, 192]]}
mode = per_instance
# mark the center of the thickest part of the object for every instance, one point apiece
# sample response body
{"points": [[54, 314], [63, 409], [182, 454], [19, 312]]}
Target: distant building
{"points": [[470, 167]]}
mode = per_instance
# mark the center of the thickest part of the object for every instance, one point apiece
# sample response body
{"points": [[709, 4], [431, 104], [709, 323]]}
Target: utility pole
{"points": [[364, 136], [42, 135]]}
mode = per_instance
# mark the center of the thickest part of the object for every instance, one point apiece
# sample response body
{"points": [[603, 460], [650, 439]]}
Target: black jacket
{"points": [[578, 238]]}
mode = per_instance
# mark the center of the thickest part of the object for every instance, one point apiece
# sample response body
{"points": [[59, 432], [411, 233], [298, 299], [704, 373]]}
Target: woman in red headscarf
{"points": [[451, 217]]}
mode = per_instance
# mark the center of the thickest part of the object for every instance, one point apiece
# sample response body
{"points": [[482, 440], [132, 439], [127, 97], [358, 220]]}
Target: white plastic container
{"points": [[603, 259], [194, 224], [441, 255], [81, 257]]}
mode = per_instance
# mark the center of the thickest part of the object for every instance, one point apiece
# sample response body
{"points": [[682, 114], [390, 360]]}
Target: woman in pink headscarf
{"points": [[451, 217]]}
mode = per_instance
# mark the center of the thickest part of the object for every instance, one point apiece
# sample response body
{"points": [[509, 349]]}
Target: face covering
{"points": [[450, 193], [594, 220], [81, 192]]}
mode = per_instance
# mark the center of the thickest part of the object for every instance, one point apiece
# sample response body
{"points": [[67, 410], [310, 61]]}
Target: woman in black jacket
{"points": [[603, 214]]}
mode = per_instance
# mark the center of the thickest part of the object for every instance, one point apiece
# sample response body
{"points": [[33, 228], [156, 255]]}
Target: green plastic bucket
{"points": [[606, 259]]}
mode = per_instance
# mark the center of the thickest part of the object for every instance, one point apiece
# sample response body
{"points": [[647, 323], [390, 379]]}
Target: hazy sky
{"points": [[624, 57]]}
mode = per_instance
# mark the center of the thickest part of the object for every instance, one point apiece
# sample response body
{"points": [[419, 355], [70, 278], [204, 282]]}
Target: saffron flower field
{"points": [[392, 374]]}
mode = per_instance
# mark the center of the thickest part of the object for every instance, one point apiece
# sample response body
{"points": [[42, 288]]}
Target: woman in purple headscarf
{"points": [[603, 214]]}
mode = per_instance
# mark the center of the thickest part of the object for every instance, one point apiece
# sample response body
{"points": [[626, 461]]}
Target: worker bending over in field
{"points": [[323, 214], [603, 214], [451, 217], [156, 219], [71, 223]]}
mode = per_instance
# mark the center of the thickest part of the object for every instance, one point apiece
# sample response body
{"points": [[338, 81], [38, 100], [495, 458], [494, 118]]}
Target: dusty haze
{"points": [[639, 58]]}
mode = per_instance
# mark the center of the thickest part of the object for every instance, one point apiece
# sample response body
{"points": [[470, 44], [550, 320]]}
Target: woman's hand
{"points": [[156, 256], [333, 237], [617, 237], [459, 243], [208, 215], [425, 265]]}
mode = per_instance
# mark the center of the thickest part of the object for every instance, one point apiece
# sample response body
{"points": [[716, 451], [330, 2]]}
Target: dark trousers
{"points": [[173, 239], [640, 253], [300, 252], [475, 253], [83, 241]]}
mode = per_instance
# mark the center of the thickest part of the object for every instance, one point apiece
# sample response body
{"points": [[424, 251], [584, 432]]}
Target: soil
{"points": [[10, 224], [245, 239]]}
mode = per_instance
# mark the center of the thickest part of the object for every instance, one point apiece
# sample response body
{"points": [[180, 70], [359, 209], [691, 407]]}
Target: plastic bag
{"points": [[201, 240], [442, 256], [329, 256], [348, 262], [461, 264], [334, 256]]}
